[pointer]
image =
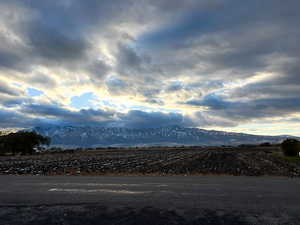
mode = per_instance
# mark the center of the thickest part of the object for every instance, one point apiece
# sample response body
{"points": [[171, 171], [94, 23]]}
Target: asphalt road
{"points": [[247, 195]]}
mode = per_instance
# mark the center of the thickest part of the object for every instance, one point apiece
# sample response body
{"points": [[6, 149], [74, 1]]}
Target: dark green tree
{"points": [[290, 147], [22, 142]]}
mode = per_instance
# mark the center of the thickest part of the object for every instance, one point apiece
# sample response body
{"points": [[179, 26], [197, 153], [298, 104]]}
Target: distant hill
{"points": [[89, 136]]}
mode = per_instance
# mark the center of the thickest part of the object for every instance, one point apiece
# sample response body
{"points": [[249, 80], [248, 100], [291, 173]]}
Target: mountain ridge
{"points": [[95, 136]]}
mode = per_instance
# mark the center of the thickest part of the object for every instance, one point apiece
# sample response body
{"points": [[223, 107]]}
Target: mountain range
{"points": [[93, 136]]}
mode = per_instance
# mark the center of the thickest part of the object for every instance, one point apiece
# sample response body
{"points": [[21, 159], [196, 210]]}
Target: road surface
{"points": [[249, 200]]}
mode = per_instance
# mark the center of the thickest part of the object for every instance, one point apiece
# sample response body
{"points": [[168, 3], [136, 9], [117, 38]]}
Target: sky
{"points": [[215, 64]]}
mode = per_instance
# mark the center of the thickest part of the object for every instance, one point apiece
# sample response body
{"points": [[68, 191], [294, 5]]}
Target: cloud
{"points": [[141, 119], [43, 80], [175, 86], [83, 116], [54, 114], [155, 101], [98, 71], [131, 63], [55, 46], [14, 119], [208, 60], [214, 102], [11, 102], [9, 60], [248, 110], [116, 86], [8, 90], [206, 119], [128, 58]]}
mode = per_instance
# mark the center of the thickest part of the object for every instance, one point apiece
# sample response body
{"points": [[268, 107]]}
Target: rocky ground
{"points": [[257, 161]]}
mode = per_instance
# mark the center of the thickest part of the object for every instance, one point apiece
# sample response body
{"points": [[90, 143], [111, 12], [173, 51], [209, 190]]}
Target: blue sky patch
{"points": [[34, 92], [84, 100]]}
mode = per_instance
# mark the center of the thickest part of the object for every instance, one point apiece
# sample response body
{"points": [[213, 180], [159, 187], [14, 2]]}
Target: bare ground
{"points": [[235, 161], [96, 214]]}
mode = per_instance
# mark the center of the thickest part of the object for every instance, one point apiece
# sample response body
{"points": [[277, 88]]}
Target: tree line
{"points": [[22, 142], [29, 142]]}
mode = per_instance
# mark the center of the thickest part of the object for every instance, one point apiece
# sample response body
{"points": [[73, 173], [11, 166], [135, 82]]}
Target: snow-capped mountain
{"points": [[88, 136]]}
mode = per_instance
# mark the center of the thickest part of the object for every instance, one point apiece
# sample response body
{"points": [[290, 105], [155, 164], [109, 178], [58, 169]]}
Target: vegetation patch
{"points": [[291, 147], [292, 159], [22, 143]]}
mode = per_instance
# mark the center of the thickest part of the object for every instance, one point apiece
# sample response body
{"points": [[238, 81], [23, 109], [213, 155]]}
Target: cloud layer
{"points": [[212, 63]]}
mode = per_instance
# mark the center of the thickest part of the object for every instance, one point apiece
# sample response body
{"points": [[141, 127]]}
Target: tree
{"points": [[22, 142], [265, 144], [290, 147]]}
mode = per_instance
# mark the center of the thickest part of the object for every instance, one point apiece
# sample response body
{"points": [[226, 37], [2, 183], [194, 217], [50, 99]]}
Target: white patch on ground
{"points": [[98, 184], [162, 185], [74, 190], [89, 184]]}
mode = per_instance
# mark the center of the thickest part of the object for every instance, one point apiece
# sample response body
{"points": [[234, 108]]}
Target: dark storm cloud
{"points": [[207, 119], [43, 80], [285, 83], [62, 114], [43, 40], [209, 43], [14, 119], [138, 69], [11, 102], [129, 57], [212, 101], [130, 63], [98, 70], [205, 84], [226, 16], [132, 119], [116, 86], [195, 87], [141, 119], [269, 89], [11, 97], [242, 38], [7, 89], [76, 16], [175, 86], [155, 101], [238, 36], [9, 60], [18, 120], [251, 109], [57, 32], [55, 46], [8, 119], [288, 73]]}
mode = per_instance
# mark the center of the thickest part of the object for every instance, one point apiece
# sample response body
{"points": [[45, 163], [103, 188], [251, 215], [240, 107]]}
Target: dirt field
{"points": [[236, 161]]}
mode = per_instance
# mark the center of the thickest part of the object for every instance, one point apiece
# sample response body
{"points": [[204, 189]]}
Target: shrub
{"points": [[290, 147], [265, 144]]}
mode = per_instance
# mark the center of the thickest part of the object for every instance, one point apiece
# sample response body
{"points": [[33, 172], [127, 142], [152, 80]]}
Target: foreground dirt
{"points": [[95, 214], [257, 161]]}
